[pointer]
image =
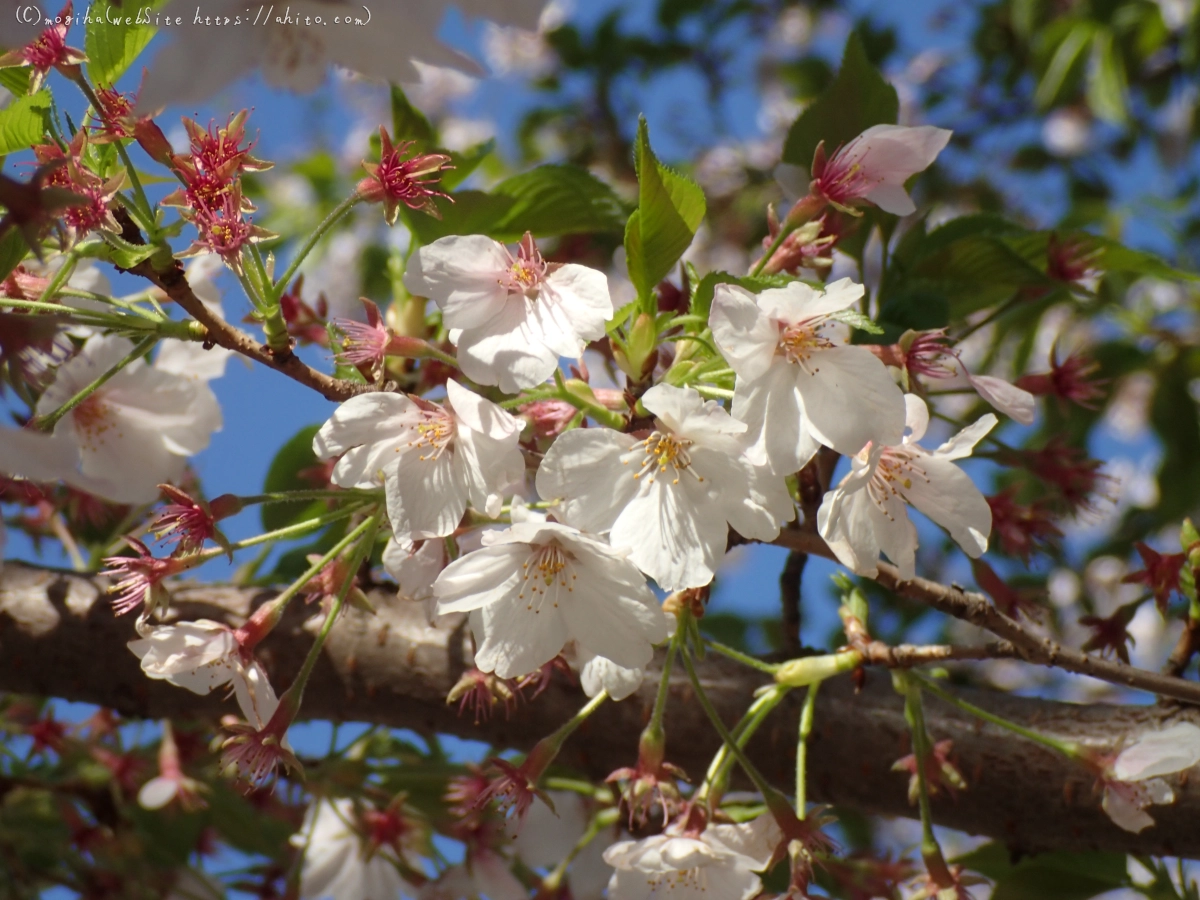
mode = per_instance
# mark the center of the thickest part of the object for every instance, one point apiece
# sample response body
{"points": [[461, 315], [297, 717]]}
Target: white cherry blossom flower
{"points": [[669, 496], [867, 513], [130, 435], [721, 861], [204, 655], [294, 47], [415, 570], [511, 319], [336, 861], [433, 459], [535, 586], [1133, 781], [799, 384], [875, 165]]}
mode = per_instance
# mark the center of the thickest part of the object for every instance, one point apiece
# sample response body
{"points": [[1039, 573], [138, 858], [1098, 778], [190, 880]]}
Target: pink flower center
{"points": [[93, 418], [526, 273], [49, 48]]}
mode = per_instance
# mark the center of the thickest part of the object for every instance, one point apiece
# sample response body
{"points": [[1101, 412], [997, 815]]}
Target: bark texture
{"points": [[58, 637]]}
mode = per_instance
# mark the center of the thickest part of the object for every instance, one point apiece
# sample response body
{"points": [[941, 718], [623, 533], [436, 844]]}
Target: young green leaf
{"points": [[858, 98], [115, 37], [23, 122], [670, 209]]}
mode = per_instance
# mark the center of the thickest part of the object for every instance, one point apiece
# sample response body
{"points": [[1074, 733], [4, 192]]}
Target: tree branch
{"points": [[979, 611], [58, 637]]}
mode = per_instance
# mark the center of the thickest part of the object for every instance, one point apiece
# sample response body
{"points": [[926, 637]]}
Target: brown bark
{"points": [[58, 637]]}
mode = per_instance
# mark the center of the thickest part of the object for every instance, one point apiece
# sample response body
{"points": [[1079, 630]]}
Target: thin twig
{"points": [[978, 610]]}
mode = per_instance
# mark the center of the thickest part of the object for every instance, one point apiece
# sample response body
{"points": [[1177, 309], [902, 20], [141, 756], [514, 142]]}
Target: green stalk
{"points": [[1066, 748], [48, 421], [748, 767], [601, 414], [914, 714], [289, 531], [330, 220], [743, 658], [806, 724], [288, 496], [718, 770], [59, 278], [295, 693]]}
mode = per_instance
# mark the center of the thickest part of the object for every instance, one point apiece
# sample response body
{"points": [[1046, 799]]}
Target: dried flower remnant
{"points": [[398, 179], [1110, 634], [140, 578], [1070, 381], [940, 772], [1162, 573], [1020, 529]]}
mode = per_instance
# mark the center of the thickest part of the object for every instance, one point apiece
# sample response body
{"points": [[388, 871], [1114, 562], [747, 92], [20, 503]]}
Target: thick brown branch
{"points": [[58, 637], [979, 611]]}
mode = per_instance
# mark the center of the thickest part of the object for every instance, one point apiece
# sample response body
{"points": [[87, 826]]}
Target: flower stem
{"points": [[280, 603], [914, 714], [330, 220], [59, 278], [806, 724], [290, 496], [288, 531], [295, 693], [717, 776], [601, 414], [1066, 748], [743, 658], [713, 716], [48, 421]]}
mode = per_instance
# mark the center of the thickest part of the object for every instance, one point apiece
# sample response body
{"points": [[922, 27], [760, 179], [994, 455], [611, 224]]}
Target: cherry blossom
{"points": [[47, 51], [875, 165], [867, 513], [397, 179], [535, 586], [671, 495], [511, 318], [129, 436], [194, 66], [432, 458], [415, 570], [337, 863], [720, 861], [204, 655], [799, 384], [596, 674], [1133, 781]]}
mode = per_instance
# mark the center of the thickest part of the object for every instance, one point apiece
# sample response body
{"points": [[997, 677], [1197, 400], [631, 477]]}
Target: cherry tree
{"points": [[576, 399]]}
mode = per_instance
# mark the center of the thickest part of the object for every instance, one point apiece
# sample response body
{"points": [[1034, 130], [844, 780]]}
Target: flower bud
{"points": [[812, 669], [638, 357]]}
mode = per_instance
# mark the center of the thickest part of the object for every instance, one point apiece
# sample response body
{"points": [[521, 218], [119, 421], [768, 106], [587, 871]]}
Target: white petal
{"points": [[744, 335], [1011, 400], [510, 350], [578, 296], [964, 442], [850, 399], [754, 841], [945, 493], [671, 534], [1128, 815], [772, 410], [844, 521], [583, 469], [1172, 749], [461, 274], [600, 674], [425, 497], [916, 418], [799, 302], [157, 793]]}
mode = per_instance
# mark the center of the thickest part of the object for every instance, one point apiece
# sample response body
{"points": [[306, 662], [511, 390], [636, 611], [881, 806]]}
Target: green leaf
{"points": [[284, 475], [974, 273], [554, 200], [1061, 64], [858, 98], [121, 252], [472, 212], [1047, 876], [16, 79], [115, 37], [408, 122], [856, 320], [465, 162], [670, 209], [23, 122], [1106, 83], [702, 298], [13, 249]]}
